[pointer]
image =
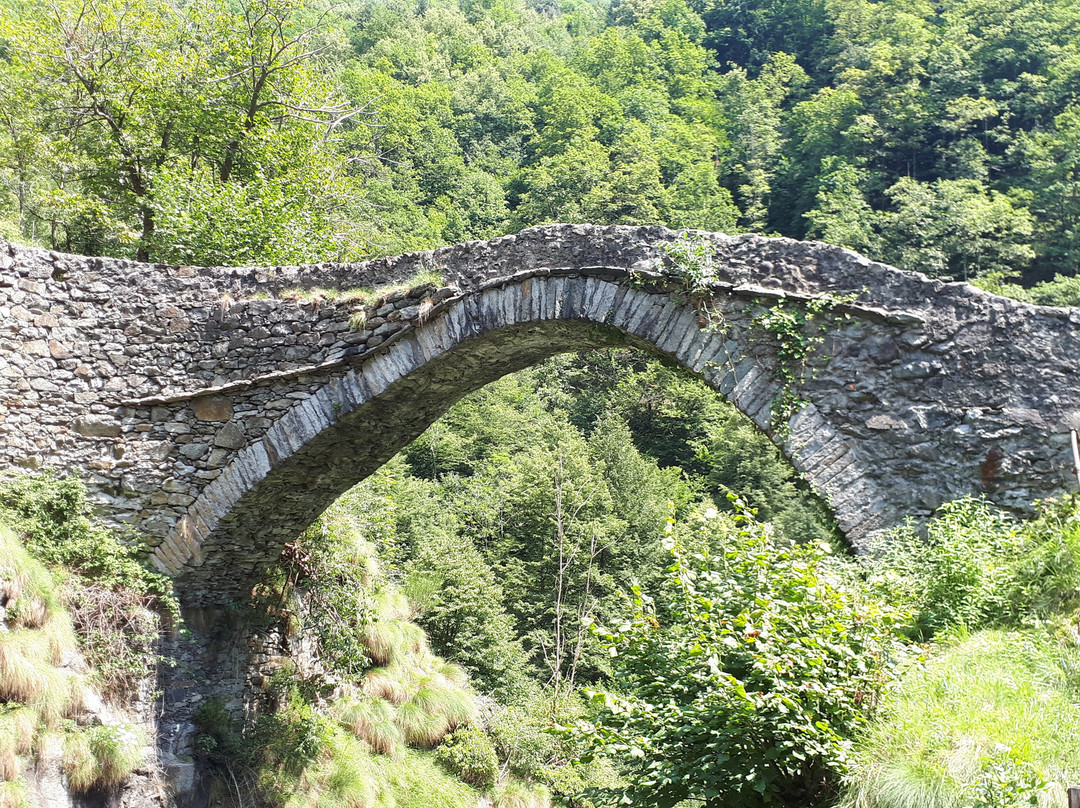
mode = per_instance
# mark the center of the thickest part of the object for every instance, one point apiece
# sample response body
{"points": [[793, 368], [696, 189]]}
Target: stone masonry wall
{"points": [[216, 409]]}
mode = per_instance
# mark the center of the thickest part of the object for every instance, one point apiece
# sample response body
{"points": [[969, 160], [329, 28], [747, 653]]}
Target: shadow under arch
{"points": [[359, 420]]}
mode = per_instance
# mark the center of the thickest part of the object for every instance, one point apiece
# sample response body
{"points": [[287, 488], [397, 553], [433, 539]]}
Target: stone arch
{"points": [[205, 405], [357, 421]]}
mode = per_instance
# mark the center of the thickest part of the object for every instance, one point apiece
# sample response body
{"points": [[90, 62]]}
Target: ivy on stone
{"points": [[797, 330]]}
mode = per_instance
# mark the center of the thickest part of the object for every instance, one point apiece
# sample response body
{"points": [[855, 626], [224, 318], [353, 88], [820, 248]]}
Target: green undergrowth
{"points": [[989, 719], [56, 520], [385, 723], [45, 683], [990, 714]]}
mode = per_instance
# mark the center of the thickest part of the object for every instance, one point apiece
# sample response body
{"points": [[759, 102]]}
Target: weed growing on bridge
{"points": [[692, 264], [798, 329]]}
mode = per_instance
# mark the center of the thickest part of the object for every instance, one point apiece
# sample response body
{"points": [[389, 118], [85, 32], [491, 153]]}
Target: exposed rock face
{"points": [[218, 417]]}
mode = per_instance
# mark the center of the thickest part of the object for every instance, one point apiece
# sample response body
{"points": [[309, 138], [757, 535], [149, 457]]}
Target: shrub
{"points": [[1047, 575], [119, 634], [470, 754], [767, 661], [960, 574], [979, 566], [55, 516], [332, 566]]}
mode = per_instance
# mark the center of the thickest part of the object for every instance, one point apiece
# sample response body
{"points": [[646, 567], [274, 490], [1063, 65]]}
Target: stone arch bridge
{"points": [[219, 410]]}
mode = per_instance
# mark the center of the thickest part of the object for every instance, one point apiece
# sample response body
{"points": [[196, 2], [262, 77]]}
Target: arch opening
{"points": [[359, 419]]}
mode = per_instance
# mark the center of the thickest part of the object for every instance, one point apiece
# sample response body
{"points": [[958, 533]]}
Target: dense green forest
{"points": [[592, 583], [937, 136]]}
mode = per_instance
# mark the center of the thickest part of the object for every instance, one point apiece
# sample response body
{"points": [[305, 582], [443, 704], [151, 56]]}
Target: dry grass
{"points": [[372, 720], [386, 684], [100, 757], [366, 297], [318, 296]]}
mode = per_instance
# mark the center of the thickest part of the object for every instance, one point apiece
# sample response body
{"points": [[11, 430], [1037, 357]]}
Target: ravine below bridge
{"points": [[218, 410]]}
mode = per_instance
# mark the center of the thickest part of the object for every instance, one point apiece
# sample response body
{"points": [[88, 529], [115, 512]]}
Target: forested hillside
{"points": [[935, 136]]}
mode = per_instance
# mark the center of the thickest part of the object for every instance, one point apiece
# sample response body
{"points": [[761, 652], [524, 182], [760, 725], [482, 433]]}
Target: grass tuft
{"points": [[386, 640], [28, 590], [386, 683], [453, 674], [514, 794], [100, 757], [13, 795], [78, 762], [993, 712], [18, 726], [456, 705], [371, 720], [420, 727], [28, 675]]}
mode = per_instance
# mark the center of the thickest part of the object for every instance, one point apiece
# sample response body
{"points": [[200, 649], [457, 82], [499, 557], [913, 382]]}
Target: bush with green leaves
{"points": [[470, 754], [331, 567], [977, 565], [56, 519], [746, 686], [959, 573]]}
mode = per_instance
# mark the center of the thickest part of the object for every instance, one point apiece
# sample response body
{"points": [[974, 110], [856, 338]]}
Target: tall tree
{"points": [[211, 122]]}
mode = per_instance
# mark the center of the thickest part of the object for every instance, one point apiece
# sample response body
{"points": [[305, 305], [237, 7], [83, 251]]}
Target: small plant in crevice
{"points": [[797, 330], [322, 583], [691, 262]]}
